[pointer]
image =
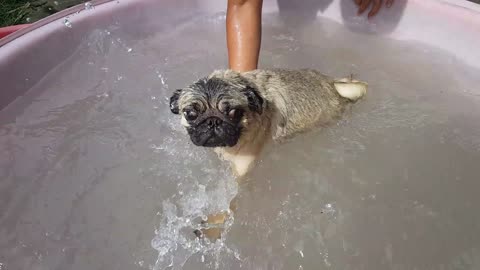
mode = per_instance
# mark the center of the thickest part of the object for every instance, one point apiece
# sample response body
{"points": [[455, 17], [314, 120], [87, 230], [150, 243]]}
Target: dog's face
{"points": [[214, 109]]}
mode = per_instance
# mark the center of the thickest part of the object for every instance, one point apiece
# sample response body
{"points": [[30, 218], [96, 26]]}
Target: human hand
{"points": [[377, 4]]}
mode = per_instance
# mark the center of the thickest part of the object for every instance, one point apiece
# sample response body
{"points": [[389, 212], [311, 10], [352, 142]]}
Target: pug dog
{"points": [[237, 114]]}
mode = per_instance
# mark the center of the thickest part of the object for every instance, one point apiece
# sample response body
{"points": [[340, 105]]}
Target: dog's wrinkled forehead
{"points": [[213, 92]]}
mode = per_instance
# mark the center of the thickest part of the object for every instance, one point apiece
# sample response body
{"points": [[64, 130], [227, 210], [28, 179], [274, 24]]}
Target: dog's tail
{"points": [[350, 89]]}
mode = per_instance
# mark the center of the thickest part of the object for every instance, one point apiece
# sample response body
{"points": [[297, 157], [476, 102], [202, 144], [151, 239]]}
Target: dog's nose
{"points": [[213, 121]]}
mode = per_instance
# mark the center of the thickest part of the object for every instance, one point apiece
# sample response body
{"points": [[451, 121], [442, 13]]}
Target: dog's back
{"points": [[304, 98]]}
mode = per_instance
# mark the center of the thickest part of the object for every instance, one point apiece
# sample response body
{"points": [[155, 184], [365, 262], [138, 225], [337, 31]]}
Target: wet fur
{"points": [[277, 104], [295, 101]]}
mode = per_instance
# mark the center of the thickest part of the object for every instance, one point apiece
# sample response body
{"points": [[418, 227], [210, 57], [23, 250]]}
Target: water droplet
{"points": [[141, 263], [129, 50], [67, 23], [88, 6], [2, 266], [162, 79], [55, 3], [301, 253], [300, 267], [204, 218], [28, 19], [119, 78], [203, 258]]}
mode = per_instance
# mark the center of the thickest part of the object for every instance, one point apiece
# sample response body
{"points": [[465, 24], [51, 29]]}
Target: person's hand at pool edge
{"points": [[377, 5], [244, 33]]}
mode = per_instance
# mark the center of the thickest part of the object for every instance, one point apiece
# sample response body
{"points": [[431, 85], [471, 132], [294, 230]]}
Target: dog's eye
{"points": [[190, 115], [234, 113]]}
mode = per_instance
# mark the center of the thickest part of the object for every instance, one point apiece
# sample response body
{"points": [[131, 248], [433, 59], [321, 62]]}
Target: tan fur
{"points": [[295, 101]]}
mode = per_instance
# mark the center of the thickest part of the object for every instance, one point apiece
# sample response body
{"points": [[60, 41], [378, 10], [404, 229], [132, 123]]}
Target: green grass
{"points": [[14, 12], [17, 11]]}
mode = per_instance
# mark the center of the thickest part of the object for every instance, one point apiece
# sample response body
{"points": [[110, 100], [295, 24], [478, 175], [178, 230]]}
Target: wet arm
{"points": [[244, 32]]}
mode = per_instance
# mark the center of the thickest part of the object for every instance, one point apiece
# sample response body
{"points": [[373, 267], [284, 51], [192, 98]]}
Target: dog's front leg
{"points": [[215, 223], [241, 165], [241, 161]]}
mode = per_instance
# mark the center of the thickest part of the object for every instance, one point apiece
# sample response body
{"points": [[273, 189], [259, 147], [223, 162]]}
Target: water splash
{"points": [[103, 95], [330, 210], [182, 215], [67, 22], [88, 6]]}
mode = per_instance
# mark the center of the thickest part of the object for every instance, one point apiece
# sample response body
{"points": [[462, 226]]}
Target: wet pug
{"points": [[237, 114]]}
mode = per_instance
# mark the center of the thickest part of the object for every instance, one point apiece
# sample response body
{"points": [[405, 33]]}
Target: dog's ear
{"points": [[255, 101], [174, 101]]}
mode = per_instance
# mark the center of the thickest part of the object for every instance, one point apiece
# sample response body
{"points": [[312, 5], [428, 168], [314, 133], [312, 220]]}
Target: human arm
{"points": [[244, 33]]}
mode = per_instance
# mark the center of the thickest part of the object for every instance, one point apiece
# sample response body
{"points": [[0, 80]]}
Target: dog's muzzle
{"points": [[214, 132]]}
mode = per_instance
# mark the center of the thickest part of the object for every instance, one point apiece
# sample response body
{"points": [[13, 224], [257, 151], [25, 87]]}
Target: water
{"points": [[88, 6], [97, 174], [67, 23]]}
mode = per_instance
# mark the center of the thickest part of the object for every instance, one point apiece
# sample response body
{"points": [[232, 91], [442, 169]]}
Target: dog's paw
{"points": [[212, 228], [211, 234], [198, 233]]}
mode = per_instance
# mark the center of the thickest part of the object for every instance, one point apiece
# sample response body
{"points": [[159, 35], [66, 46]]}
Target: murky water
{"points": [[97, 174]]}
